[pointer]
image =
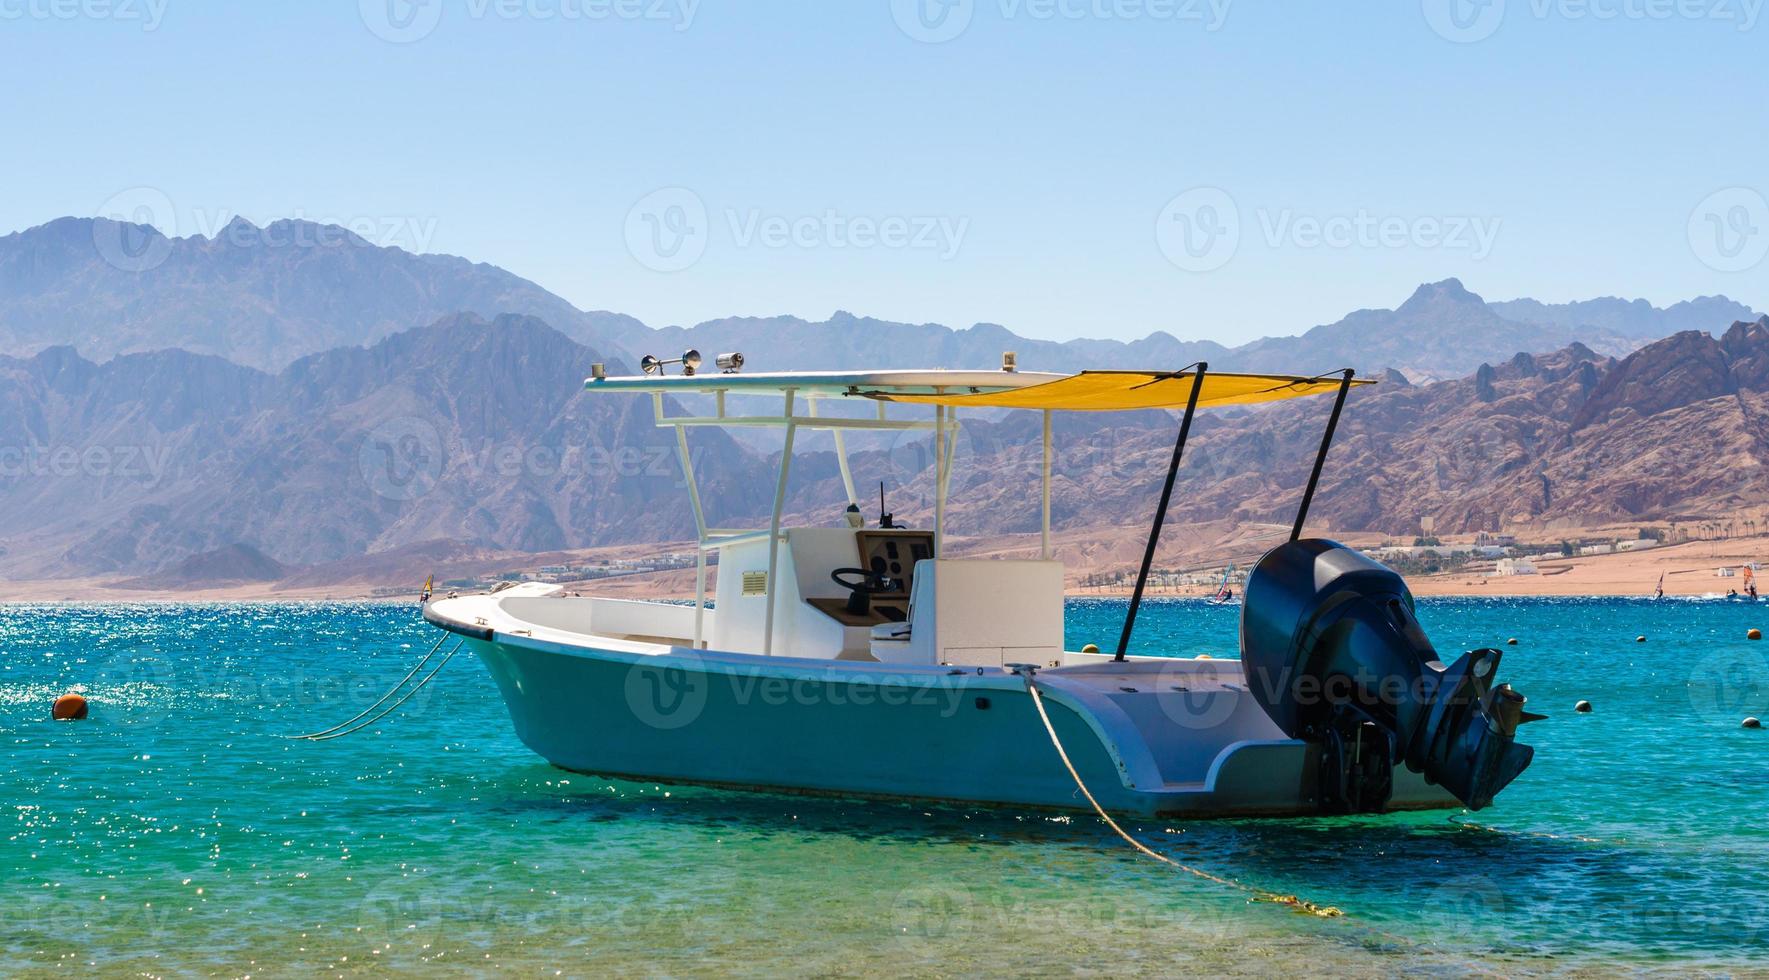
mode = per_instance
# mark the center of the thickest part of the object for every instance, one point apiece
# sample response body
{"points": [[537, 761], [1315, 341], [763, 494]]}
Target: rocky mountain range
{"points": [[261, 297], [264, 297], [1673, 432], [474, 434], [467, 430], [235, 409]]}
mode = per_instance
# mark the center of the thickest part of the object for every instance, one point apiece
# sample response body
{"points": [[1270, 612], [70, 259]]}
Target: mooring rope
{"points": [[390, 692], [1259, 894], [395, 705]]}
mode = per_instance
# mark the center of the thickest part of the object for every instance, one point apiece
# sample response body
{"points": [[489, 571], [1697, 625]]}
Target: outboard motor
{"points": [[1334, 655]]}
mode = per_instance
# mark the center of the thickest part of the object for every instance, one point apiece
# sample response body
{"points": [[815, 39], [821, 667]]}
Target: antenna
{"points": [[884, 516]]}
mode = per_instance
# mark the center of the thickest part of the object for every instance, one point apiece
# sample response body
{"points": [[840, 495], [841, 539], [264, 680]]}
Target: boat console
{"points": [[880, 586]]}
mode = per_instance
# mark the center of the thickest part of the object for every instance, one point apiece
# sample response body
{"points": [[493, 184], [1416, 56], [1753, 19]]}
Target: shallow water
{"points": [[172, 834]]}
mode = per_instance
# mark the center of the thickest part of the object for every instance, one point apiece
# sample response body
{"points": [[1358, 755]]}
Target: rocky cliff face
{"points": [[260, 297], [476, 433], [469, 431], [1674, 430]]}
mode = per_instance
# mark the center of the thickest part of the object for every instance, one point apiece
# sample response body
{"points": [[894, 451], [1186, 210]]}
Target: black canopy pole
{"points": [[1148, 555], [1320, 459]]}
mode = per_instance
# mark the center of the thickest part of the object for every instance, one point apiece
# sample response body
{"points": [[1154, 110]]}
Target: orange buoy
{"points": [[1754, 634], [68, 707]]}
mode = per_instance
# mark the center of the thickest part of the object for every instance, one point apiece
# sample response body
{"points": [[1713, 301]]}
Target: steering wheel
{"points": [[860, 593]]}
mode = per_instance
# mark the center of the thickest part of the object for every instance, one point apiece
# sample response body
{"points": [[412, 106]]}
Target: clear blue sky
{"points": [[1039, 168]]}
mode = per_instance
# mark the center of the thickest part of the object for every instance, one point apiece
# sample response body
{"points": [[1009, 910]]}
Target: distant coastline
{"points": [[1690, 569]]}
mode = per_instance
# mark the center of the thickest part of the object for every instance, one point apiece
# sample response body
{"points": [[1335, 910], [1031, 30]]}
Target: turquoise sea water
{"points": [[171, 834]]}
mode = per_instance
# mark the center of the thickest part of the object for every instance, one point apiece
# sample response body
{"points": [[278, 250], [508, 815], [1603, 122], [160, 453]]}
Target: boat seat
{"points": [[978, 613]]}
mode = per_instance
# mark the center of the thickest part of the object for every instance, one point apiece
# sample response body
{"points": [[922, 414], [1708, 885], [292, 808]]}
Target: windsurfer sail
{"points": [[1223, 592], [1660, 592], [1750, 582]]}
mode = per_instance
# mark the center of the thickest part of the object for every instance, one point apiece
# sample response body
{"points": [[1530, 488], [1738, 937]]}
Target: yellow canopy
{"points": [[1115, 391]]}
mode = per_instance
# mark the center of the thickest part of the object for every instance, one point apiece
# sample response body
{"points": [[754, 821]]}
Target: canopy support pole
{"points": [[699, 517], [1320, 459], [1044, 548], [939, 478], [1148, 555], [774, 530]]}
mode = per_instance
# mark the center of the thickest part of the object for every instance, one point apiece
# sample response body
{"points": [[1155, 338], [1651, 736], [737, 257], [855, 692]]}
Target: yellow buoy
{"points": [[1754, 634], [1090, 648], [1205, 656], [68, 707]]}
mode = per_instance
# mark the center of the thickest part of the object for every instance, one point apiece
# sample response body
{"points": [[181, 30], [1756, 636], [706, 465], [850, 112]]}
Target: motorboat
{"points": [[858, 658]]}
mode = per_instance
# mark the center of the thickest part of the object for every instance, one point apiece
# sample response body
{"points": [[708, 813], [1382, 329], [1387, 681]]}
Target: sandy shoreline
{"points": [[1689, 569]]}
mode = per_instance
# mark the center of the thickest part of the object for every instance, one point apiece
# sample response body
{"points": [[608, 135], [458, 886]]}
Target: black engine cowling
{"points": [[1334, 655]]}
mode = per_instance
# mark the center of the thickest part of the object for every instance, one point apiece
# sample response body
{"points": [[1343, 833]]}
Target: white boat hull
{"points": [[966, 735]]}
